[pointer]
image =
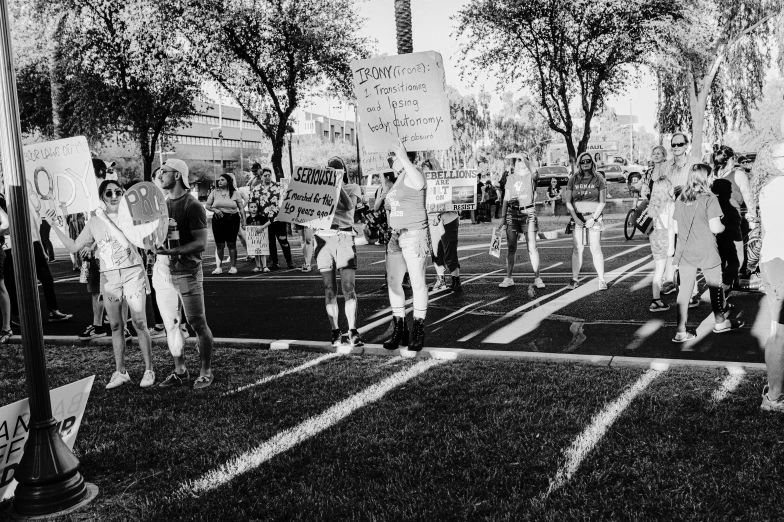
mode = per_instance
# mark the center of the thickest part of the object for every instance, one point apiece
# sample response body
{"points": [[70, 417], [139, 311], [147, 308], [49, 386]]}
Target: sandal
{"points": [[5, 336], [657, 305], [687, 336]]}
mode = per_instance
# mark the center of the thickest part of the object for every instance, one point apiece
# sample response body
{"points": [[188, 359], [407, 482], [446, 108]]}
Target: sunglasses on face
{"points": [[585, 162], [682, 144], [117, 193]]}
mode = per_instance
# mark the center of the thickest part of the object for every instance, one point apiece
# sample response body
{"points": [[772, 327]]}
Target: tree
{"points": [[405, 40], [519, 126], [266, 54], [563, 50], [764, 125], [713, 65]]}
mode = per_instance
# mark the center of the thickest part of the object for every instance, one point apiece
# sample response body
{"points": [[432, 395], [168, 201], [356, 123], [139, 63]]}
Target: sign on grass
{"points": [[311, 197], [60, 177], [451, 190], [258, 240], [68, 404], [403, 96]]}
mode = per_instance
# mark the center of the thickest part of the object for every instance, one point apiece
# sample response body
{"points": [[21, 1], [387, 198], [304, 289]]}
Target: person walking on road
{"points": [[123, 278], [519, 217], [407, 250], [336, 251], [586, 193], [768, 191], [228, 210], [267, 193], [178, 276], [661, 195], [696, 218]]}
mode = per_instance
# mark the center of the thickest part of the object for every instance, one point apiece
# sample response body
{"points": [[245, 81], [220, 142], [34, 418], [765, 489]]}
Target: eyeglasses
{"points": [[586, 162], [117, 193], [682, 144]]}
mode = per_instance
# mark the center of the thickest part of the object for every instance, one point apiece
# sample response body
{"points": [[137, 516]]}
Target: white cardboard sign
{"points": [[311, 197]]}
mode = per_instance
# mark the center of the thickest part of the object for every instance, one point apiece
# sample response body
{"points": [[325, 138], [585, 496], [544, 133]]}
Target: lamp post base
{"points": [[92, 492]]}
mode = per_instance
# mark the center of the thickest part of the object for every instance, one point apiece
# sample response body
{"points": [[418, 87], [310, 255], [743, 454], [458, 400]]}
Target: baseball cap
{"points": [[181, 167]]}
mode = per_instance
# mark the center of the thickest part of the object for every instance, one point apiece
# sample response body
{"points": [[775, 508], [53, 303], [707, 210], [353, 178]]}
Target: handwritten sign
{"points": [[311, 197], [372, 162], [403, 96], [495, 243], [60, 176], [68, 404], [258, 240], [143, 215], [451, 190]]}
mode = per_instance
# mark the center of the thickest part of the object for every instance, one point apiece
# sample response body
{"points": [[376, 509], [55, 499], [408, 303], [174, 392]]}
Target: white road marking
{"points": [[551, 266], [645, 331], [289, 438], [394, 360], [730, 383], [637, 270], [602, 422], [455, 313], [296, 369]]}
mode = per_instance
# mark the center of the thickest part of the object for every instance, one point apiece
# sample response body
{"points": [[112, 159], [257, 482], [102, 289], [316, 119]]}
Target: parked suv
{"points": [[548, 173]]}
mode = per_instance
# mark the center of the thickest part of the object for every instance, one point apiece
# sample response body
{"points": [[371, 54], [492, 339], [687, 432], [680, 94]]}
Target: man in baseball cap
{"points": [[177, 165]]}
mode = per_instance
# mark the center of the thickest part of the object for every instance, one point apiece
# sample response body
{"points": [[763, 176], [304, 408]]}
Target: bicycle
{"points": [[630, 223]]}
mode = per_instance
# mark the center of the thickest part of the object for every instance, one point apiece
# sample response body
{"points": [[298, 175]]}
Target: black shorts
{"points": [[445, 253], [226, 228], [521, 221], [94, 276]]}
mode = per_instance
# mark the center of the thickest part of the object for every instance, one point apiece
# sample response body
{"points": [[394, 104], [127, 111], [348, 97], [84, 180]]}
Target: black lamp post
{"points": [[48, 474]]}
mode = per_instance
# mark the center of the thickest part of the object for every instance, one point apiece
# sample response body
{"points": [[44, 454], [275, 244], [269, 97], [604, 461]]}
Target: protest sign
{"points": [[372, 162], [60, 177], [403, 96], [143, 216], [311, 197], [451, 190], [495, 243], [258, 240], [68, 404]]}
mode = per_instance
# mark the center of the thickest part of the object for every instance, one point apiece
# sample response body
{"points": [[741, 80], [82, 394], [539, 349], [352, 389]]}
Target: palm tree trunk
{"points": [[405, 42], [55, 74]]}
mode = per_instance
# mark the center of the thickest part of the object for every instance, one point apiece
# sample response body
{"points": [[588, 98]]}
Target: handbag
{"points": [[642, 219]]}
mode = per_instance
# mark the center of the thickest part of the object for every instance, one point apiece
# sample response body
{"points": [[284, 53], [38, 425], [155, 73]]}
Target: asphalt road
{"points": [[288, 304]]}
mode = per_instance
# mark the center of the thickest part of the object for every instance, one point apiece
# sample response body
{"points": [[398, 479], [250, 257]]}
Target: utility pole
{"points": [[631, 133], [48, 477]]}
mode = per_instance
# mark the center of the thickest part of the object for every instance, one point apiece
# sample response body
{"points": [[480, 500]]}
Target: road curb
{"points": [[610, 361]]}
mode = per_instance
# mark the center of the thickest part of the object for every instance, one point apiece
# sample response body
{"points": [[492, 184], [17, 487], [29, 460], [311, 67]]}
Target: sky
{"points": [[432, 31]]}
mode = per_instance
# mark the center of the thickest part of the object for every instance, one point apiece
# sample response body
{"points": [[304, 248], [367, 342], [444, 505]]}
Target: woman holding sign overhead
{"points": [[123, 278], [407, 251]]}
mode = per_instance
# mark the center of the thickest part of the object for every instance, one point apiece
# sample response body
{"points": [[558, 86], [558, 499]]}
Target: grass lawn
{"points": [[465, 440]]}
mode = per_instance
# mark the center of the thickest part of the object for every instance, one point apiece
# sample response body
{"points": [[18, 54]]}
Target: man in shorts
{"points": [[178, 276], [336, 250]]}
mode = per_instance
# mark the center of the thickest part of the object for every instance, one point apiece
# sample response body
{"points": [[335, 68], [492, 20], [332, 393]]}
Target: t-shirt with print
{"points": [[771, 206], [189, 215], [586, 191], [696, 245], [110, 252]]}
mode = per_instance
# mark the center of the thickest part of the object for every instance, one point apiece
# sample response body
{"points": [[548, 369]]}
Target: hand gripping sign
{"points": [[60, 177], [143, 216]]}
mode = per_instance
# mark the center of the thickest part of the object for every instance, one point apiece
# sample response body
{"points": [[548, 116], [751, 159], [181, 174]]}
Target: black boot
{"points": [[456, 286], [417, 335], [399, 334]]}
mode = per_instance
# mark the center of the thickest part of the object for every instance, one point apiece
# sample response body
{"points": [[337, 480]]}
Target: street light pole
{"points": [[48, 473]]}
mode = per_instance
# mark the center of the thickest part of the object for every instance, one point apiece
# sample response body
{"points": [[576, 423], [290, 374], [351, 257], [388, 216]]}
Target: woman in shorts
{"points": [[123, 278], [228, 216], [585, 198], [660, 209]]}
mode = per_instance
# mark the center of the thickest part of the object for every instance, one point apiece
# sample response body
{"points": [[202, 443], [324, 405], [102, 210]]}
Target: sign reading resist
{"points": [[451, 190], [405, 96], [311, 197]]}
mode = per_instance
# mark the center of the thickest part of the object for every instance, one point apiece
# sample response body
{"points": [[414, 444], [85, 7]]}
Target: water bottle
{"points": [[585, 236], [84, 273], [173, 238]]}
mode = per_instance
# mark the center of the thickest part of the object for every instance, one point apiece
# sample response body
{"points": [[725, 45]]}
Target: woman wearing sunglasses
{"points": [[585, 198], [695, 220], [122, 278]]}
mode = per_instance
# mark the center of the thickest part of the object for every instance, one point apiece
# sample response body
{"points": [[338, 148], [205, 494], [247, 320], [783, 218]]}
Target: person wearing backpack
{"points": [[518, 216]]}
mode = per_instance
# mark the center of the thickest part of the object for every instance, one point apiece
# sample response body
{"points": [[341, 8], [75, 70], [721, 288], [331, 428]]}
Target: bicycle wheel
{"points": [[629, 225]]}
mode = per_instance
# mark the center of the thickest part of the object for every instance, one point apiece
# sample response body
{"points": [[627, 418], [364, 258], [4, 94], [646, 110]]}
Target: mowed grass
{"points": [[466, 440]]}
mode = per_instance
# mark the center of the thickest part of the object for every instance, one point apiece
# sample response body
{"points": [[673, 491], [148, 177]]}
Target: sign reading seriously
{"points": [[311, 197], [451, 190], [403, 96], [60, 177], [68, 404], [258, 240]]}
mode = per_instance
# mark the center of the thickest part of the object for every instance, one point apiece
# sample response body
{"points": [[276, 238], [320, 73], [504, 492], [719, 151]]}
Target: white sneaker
{"points": [[506, 283], [118, 379], [538, 283], [185, 333], [148, 379], [217, 271], [233, 270]]}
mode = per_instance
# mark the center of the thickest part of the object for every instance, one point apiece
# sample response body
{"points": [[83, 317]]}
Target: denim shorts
{"points": [[336, 252], [410, 243], [124, 283]]}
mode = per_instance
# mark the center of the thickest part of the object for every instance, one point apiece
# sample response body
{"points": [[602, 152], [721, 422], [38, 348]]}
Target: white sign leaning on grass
{"points": [[404, 96], [60, 177], [311, 197], [258, 240], [68, 404], [451, 190]]}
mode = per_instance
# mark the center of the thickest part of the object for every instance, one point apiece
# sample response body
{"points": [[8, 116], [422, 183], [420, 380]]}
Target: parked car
{"points": [[613, 173], [548, 173]]}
